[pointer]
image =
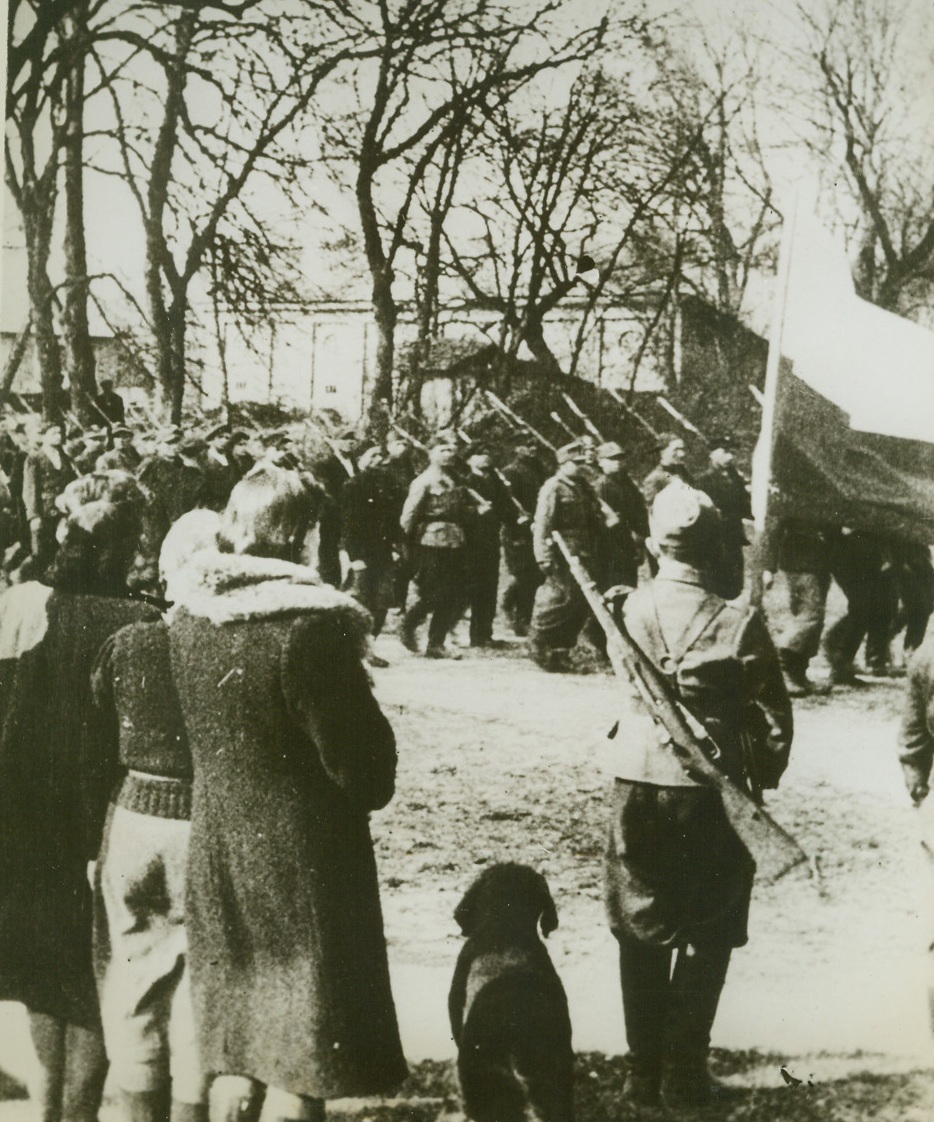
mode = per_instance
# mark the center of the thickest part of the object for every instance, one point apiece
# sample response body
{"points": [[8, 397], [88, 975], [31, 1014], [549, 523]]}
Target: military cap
{"points": [[610, 451], [572, 451]]}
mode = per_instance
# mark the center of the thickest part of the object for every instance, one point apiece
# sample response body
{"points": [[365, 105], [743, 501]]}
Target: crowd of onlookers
{"points": [[189, 744]]}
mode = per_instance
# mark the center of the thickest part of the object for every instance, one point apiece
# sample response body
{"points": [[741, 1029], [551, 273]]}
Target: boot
{"points": [[696, 984], [413, 618], [794, 672], [644, 976]]}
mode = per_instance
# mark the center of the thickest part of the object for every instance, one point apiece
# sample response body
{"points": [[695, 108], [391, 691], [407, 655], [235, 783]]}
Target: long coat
{"points": [[290, 750], [53, 792]]}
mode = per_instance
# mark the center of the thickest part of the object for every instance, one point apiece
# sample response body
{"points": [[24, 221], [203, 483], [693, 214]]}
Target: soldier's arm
{"points": [[915, 741], [412, 506], [765, 693], [542, 526]]}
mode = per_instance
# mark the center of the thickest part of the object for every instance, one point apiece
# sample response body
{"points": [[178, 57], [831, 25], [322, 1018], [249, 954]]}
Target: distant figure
{"points": [[726, 487], [916, 752], [672, 465], [483, 544], [110, 403], [622, 544], [436, 521], [567, 503]]}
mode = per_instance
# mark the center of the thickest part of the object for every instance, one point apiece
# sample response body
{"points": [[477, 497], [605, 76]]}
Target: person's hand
{"points": [[767, 578], [919, 792]]}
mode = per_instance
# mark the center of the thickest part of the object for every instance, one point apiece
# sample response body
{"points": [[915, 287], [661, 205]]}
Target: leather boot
{"points": [[644, 975], [794, 672], [696, 984]]}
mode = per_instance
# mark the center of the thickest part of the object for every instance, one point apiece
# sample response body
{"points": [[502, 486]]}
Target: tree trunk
{"points": [[38, 230], [78, 352], [165, 288], [384, 303]]}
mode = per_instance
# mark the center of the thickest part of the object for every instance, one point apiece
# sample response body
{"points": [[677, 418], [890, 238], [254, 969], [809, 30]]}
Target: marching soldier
{"points": [[483, 546], [678, 880], [436, 522], [672, 465], [726, 488], [567, 503], [525, 475], [622, 543], [370, 537], [802, 555]]}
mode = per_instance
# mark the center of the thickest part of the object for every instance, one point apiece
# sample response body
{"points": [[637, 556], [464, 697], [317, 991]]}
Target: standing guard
{"points": [[678, 879]]}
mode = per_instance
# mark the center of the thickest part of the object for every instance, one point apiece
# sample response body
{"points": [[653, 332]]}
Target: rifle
{"points": [[416, 443], [774, 851], [563, 424], [681, 419], [582, 416], [503, 408], [630, 412], [519, 508]]}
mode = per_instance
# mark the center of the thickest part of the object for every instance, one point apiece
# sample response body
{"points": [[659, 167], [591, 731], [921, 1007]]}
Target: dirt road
{"points": [[501, 761]]}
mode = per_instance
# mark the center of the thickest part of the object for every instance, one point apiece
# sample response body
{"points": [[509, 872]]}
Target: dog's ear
{"points": [[465, 914], [549, 914]]}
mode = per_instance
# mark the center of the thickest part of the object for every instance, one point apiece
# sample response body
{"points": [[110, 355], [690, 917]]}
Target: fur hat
{"points": [[685, 524]]}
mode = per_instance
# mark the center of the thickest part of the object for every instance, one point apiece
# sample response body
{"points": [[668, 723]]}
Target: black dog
{"points": [[509, 1013]]}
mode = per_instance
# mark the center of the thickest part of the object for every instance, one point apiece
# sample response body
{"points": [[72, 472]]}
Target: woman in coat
{"points": [[53, 791], [291, 752]]}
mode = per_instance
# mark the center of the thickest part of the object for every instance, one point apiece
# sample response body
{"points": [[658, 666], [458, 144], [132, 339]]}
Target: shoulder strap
{"points": [[705, 615]]}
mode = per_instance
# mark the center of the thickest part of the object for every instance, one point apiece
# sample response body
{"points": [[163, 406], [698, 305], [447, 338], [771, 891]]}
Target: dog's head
{"points": [[507, 897]]}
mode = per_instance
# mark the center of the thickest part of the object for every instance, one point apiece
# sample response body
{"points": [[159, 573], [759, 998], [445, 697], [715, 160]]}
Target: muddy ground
{"points": [[498, 761]]}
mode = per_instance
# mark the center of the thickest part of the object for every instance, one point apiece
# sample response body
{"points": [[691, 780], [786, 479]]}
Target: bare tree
{"points": [[192, 172], [35, 133], [864, 84], [440, 66]]}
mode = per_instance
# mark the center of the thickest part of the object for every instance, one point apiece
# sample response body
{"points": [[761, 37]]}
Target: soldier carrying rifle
{"points": [[678, 876]]}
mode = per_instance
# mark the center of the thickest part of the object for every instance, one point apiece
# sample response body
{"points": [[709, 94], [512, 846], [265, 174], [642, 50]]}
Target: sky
{"points": [[116, 242]]}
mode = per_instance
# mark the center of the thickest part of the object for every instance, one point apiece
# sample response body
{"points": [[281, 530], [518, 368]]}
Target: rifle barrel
{"points": [[774, 851]]}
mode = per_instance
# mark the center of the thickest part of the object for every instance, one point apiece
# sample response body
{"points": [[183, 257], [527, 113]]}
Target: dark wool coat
{"points": [[290, 750], [53, 792]]}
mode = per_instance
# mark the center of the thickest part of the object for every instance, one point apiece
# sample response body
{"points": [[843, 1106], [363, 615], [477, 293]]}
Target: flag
{"points": [[848, 417]]}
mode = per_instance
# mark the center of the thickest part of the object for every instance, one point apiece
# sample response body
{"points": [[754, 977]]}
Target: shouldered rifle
{"points": [[521, 512], [774, 851], [630, 412], [583, 418], [501, 407], [681, 419]]}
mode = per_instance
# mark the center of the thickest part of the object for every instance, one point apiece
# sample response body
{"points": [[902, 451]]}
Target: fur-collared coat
{"points": [[290, 751]]}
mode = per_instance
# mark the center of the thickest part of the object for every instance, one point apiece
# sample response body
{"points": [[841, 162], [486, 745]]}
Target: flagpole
{"points": [[762, 457]]}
